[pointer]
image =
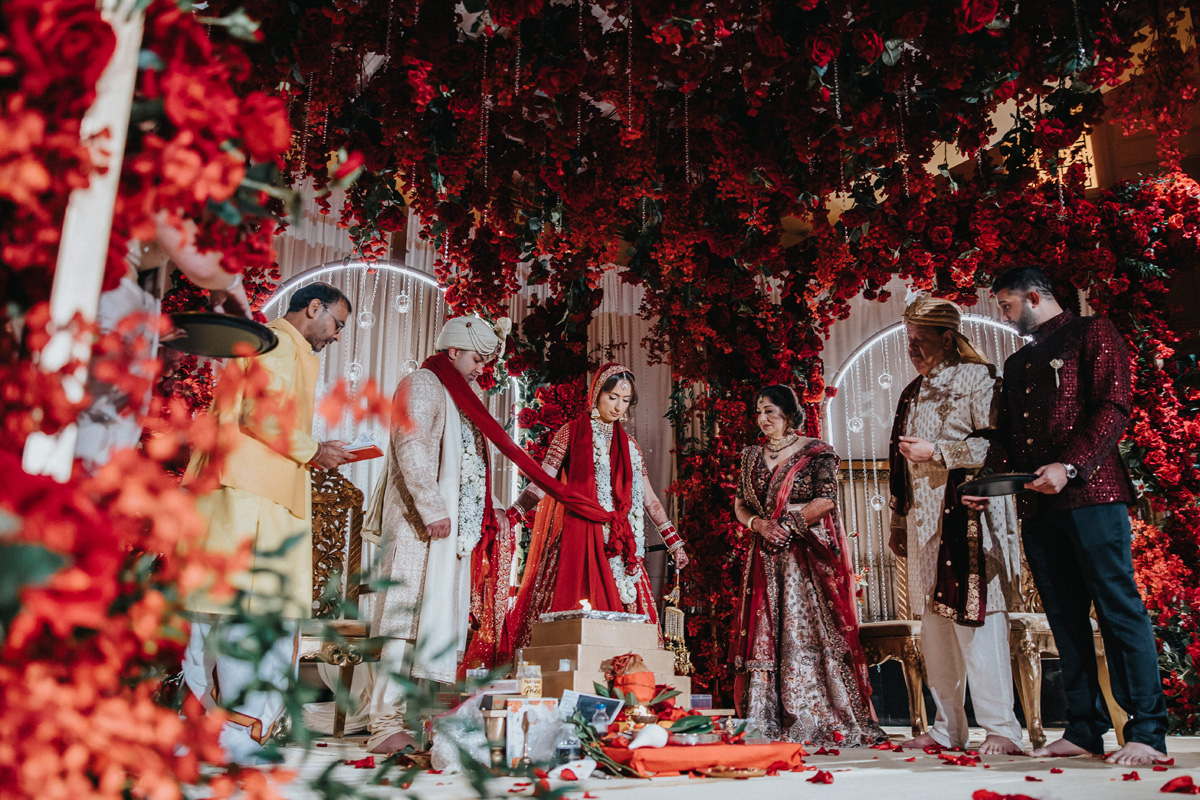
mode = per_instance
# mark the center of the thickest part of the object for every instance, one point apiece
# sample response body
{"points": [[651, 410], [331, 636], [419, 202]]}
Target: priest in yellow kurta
{"points": [[264, 497]]}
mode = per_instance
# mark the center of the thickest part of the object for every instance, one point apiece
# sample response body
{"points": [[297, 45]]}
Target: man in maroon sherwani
{"points": [[1064, 407]]}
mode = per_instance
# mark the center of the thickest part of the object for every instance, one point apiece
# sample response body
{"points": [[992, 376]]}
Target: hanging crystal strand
{"points": [[579, 108], [687, 138], [876, 504], [850, 469], [1079, 36], [387, 41], [517, 71], [484, 123], [904, 109], [837, 108], [329, 84], [416, 12], [303, 165], [629, 67]]}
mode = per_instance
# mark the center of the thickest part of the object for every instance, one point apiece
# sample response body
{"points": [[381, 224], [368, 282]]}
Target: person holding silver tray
{"points": [[1064, 407]]}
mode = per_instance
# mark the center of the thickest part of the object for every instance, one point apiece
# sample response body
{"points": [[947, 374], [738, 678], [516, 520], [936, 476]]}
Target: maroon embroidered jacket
{"points": [[1066, 398]]}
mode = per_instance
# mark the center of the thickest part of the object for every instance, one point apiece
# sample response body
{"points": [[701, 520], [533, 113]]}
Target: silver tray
{"points": [[999, 484], [220, 335], [591, 613]]}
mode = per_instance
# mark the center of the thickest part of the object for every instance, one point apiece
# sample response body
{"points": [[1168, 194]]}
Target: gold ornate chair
{"points": [[900, 640], [337, 520]]}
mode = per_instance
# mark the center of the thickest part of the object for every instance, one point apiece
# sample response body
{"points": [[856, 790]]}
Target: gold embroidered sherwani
{"points": [[955, 400], [266, 495], [428, 603]]}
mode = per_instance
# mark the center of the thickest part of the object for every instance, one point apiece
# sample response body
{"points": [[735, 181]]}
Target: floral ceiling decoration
{"points": [[541, 142]]}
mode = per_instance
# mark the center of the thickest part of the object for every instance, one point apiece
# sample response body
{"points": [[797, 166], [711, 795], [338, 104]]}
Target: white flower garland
{"points": [[626, 582], [471, 494]]}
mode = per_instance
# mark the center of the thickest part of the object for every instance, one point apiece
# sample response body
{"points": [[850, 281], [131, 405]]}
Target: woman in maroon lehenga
{"points": [[572, 559], [801, 674]]}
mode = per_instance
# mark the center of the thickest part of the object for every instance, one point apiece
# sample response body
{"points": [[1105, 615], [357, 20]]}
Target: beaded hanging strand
{"points": [[303, 165], [485, 122], [329, 83], [687, 138], [629, 67], [1079, 36], [387, 40], [579, 108], [904, 112]]}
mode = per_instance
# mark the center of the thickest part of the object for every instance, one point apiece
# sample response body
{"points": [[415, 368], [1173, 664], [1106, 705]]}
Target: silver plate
{"points": [[999, 484], [579, 613]]}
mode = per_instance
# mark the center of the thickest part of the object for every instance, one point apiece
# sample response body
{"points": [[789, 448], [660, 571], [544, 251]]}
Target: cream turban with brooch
{"points": [[473, 333]]}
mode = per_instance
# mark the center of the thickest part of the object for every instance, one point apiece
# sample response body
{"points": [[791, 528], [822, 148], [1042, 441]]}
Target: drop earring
{"points": [[595, 413]]}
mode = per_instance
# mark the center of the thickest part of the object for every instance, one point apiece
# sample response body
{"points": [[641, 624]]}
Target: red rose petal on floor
{"points": [[933, 749], [914, 758], [1170, 762], [1031, 778], [567, 775], [821, 777], [1131, 776], [1181, 785], [821, 752], [435, 772], [589, 796], [1055, 771], [1159, 768], [838, 736], [322, 744], [362, 763]]}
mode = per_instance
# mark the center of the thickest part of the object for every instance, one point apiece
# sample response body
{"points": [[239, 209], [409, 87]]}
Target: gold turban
{"points": [[473, 333], [938, 312]]}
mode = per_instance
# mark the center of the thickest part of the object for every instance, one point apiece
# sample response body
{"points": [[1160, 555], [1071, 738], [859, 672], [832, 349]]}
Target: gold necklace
{"points": [[775, 445]]}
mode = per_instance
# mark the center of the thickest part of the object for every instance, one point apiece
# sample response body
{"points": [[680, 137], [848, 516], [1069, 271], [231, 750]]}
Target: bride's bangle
{"points": [[750, 523]]}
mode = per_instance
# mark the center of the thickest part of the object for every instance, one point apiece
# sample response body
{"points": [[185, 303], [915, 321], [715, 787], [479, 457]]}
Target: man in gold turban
{"points": [[446, 542], [963, 565]]}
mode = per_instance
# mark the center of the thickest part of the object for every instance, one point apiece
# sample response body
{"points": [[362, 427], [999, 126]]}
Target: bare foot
{"points": [[999, 745], [920, 742], [396, 742], [1061, 748], [1134, 754]]}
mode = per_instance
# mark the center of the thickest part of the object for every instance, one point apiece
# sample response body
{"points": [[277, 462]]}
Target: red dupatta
{"points": [[583, 569], [838, 583]]}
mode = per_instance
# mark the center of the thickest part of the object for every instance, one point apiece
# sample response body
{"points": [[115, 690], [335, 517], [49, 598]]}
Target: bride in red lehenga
{"points": [[572, 559]]}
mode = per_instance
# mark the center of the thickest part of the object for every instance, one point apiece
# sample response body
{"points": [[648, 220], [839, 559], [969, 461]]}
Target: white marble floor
{"points": [[857, 774]]}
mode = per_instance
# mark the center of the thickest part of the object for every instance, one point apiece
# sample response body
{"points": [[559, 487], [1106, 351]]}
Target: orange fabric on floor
{"points": [[674, 759]]}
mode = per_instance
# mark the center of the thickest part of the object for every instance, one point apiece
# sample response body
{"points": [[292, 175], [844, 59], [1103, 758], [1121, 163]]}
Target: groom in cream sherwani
{"points": [[939, 438], [428, 510]]}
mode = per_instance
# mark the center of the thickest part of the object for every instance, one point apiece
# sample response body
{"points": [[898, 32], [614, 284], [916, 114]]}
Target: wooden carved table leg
{"points": [[342, 698], [1027, 669]]}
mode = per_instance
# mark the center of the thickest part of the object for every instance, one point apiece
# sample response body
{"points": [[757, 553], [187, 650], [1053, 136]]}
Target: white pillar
{"points": [[83, 249]]}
